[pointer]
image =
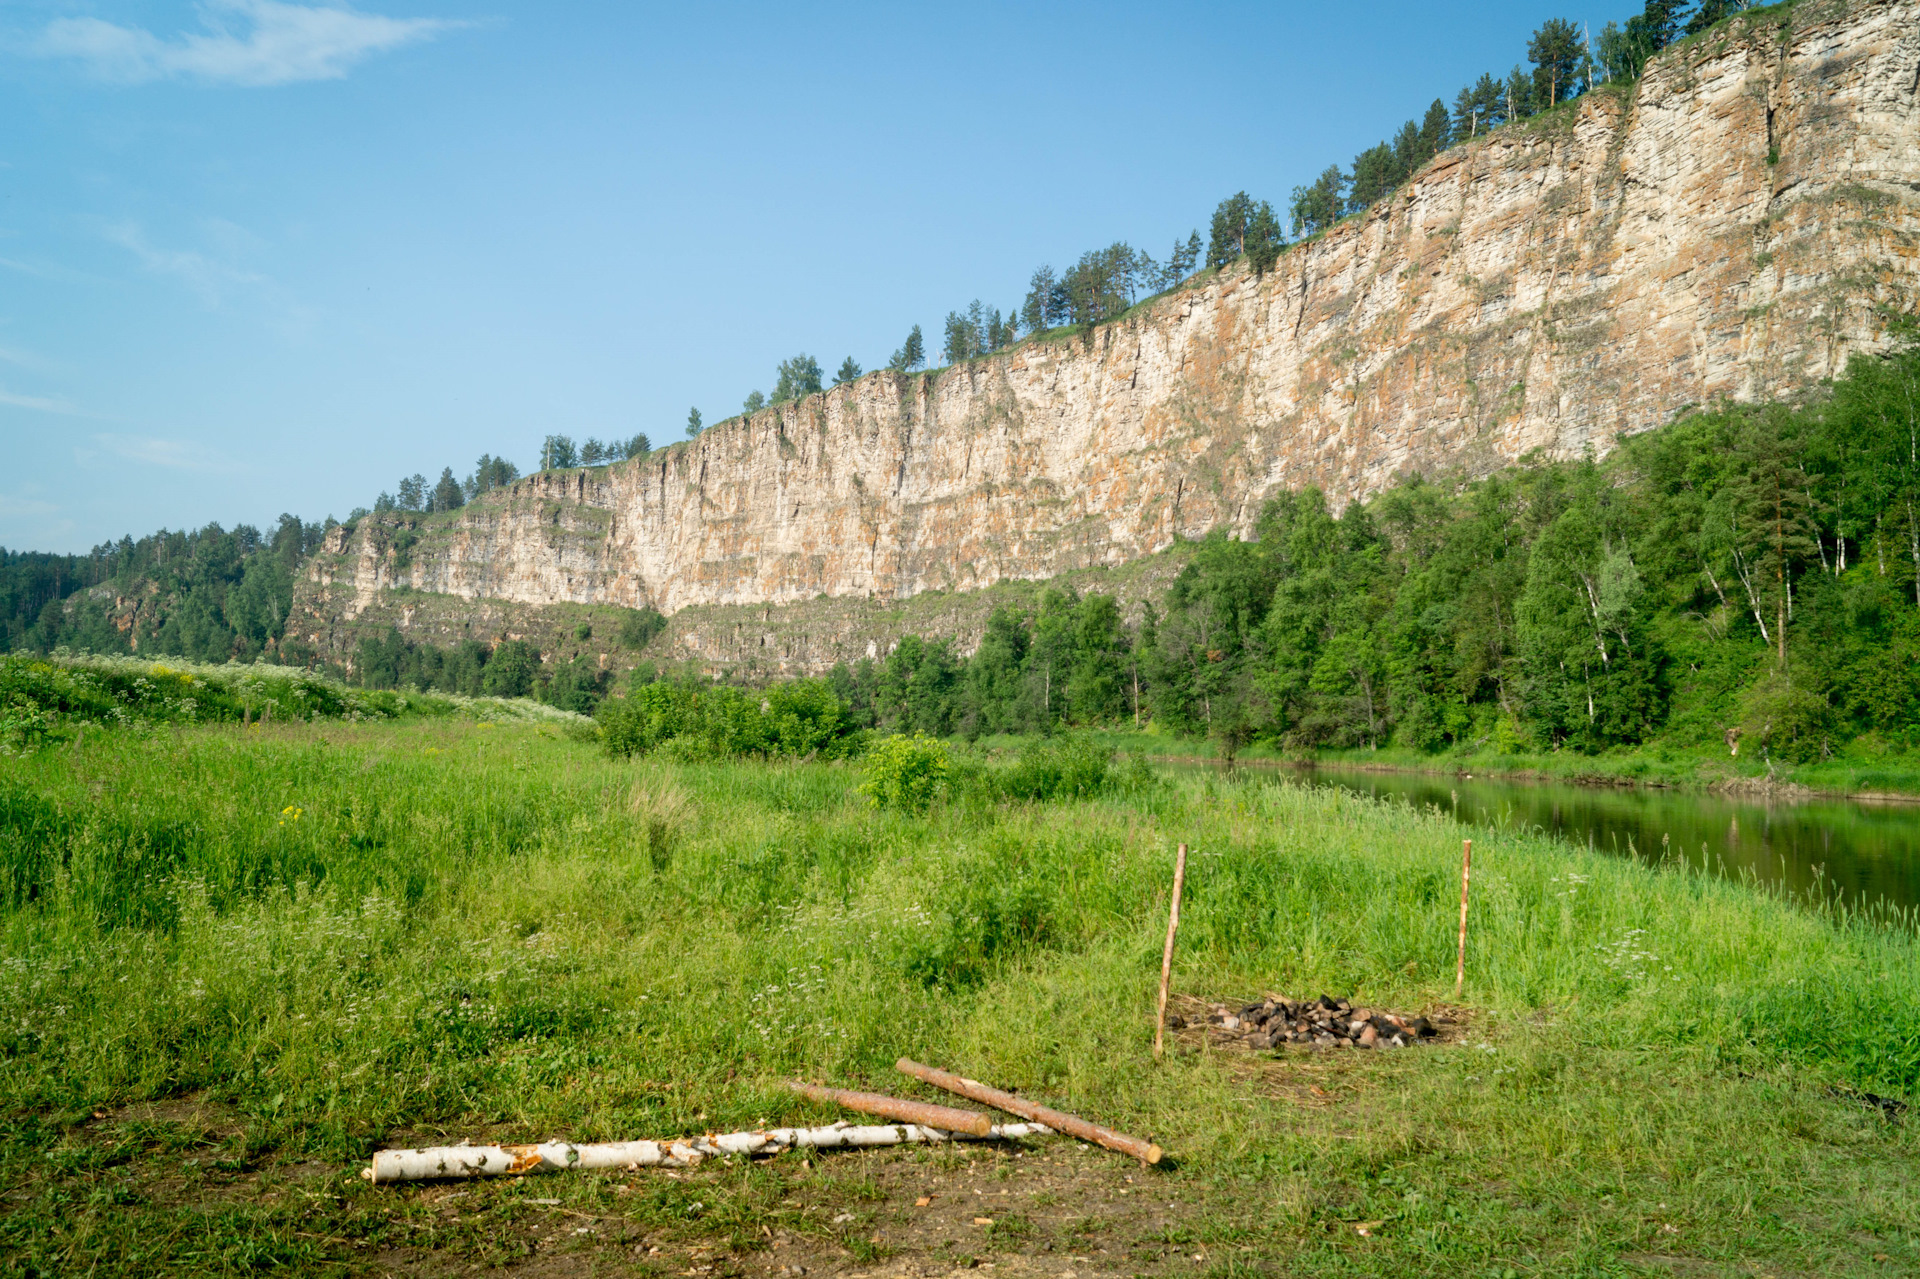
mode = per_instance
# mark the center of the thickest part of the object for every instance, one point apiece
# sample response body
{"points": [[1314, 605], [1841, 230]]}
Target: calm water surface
{"points": [[1867, 851]]}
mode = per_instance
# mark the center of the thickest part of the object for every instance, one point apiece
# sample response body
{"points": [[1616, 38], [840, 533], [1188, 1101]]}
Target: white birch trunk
{"points": [[436, 1163]]}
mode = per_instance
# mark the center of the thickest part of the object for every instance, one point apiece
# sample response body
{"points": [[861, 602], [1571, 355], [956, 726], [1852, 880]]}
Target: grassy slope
{"points": [[349, 934]]}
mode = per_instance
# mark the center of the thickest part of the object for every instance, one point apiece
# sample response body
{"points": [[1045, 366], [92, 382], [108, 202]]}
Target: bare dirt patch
{"points": [[195, 1113]]}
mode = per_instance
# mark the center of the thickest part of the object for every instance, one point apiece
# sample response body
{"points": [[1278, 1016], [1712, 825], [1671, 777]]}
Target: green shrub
{"points": [[797, 719], [1057, 768], [638, 626], [905, 772], [512, 669], [1787, 721], [993, 922]]}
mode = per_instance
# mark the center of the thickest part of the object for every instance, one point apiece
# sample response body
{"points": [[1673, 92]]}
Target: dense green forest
{"points": [[1745, 573], [1745, 576], [210, 594]]}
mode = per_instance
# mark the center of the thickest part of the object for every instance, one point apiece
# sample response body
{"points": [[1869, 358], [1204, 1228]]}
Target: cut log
{"points": [[1059, 1121], [439, 1163], [926, 1114]]}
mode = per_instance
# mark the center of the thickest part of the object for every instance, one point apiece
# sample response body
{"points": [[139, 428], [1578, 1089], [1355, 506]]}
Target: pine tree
{"points": [[1712, 11], [446, 493], [1317, 207], [1436, 128], [959, 338], [912, 353], [1773, 520], [1180, 262], [1228, 239], [1519, 91], [1034, 311], [693, 423], [999, 333], [1406, 152], [489, 473], [1489, 100], [1264, 239], [1373, 176], [1555, 51], [1466, 115], [849, 372], [755, 401], [796, 378], [1662, 18], [1059, 303]]}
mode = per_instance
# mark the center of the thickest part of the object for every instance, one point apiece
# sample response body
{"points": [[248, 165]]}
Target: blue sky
{"points": [[260, 257]]}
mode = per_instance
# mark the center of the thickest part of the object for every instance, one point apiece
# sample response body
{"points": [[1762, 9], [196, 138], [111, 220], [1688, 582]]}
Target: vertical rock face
{"points": [[1738, 225]]}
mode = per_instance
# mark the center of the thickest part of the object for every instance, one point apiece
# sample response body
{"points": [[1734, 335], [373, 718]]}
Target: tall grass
{"points": [[355, 928], [51, 699]]}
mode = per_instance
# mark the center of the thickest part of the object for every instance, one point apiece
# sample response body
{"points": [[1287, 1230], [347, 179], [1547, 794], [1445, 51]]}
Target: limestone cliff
{"points": [[1738, 224]]}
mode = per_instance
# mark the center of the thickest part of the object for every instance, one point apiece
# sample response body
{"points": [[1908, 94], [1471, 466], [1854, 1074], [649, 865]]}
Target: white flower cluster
{"points": [[1626, 958]]}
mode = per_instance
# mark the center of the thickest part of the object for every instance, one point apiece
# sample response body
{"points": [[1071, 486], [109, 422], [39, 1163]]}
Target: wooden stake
{"points": [[1466, 871], [1058, 1121], [1166, 958], [927, 1115]]}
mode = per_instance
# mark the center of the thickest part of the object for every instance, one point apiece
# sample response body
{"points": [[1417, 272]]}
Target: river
{"points": [[1866, 851]]}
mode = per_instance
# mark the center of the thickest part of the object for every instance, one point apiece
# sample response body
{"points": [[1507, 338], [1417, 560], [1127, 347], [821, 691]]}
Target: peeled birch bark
{"points": [[437, 1163]]}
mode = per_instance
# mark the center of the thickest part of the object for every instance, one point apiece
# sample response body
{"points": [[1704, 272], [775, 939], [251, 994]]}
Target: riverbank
{"points": [[1863, 771], [233, 964]]}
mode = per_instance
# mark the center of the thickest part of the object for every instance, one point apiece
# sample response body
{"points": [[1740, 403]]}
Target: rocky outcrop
{"points": [[1738, 224]]}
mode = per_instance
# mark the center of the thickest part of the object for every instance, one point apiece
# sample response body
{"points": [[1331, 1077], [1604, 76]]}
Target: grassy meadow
{"points": [[234, 961]]}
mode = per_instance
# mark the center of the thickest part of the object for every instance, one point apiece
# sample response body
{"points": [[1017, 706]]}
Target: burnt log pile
{"points": [[1316, 1023]]}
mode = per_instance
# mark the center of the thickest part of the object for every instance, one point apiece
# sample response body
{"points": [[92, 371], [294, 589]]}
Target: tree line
{"points": [[1565, 63], [511, 668], [208, 594], [1744, 574]]}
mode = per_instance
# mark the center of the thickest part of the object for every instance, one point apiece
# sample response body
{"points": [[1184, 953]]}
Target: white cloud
{"points": [[23, 360], [206, 277], [177, 455], [246, 42], [39, 272], [14, 505], [43, 403]]}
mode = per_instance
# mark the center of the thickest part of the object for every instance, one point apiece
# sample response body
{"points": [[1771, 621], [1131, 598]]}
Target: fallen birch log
{"points": [[927, 1115], [1058, 1121], [437, 1163]]}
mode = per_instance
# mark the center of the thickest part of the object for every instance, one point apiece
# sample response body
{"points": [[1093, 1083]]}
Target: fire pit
{"points": [[1316, 1023]]}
